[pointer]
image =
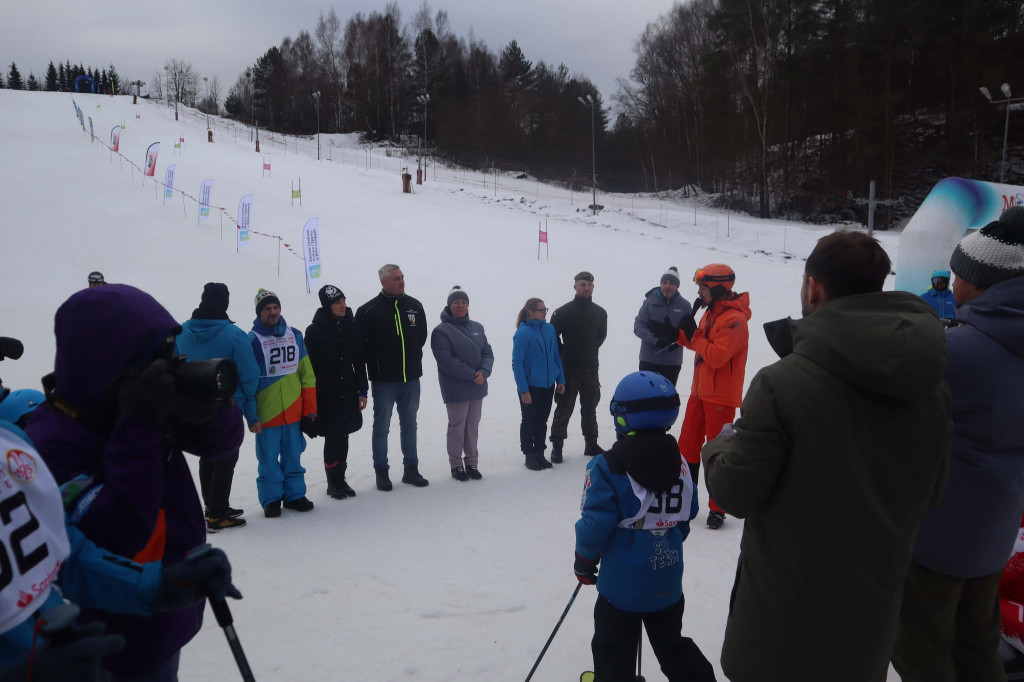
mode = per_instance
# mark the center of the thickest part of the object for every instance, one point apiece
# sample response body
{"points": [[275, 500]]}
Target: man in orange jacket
{"points": [[719, 344]]}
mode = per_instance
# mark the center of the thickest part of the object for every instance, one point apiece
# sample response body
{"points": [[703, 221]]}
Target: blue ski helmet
{"points": [[16, 406], [644, 401]]}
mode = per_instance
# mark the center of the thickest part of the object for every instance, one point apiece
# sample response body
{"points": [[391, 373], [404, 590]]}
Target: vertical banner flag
{"points": [[169, 182], [115, 138], [244, 216], [311, 252], [151, 153], [92, 136], [204, 199]]}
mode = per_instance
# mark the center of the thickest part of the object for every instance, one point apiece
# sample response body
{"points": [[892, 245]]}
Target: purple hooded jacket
{"points": [[147, 486]]}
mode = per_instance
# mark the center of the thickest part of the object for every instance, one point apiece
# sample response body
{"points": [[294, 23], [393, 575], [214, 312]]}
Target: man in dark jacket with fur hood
{"points": [[842, 446]]}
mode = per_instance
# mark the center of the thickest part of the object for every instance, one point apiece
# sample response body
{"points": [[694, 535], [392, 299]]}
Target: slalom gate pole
{"points": [[223, 614], [557, 625]]}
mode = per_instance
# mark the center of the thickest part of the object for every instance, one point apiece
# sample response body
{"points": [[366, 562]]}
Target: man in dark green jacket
{"points": [[842, 446], [581, 326]]}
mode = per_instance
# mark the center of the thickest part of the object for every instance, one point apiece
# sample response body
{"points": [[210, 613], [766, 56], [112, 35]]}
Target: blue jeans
{"points": [[387, 394]]}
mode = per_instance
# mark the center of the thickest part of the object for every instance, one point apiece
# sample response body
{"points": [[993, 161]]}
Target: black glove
{"points": [[949, 322], [687, 326], [10, 348], [586, 570], [308, 426], [698, 303], [75, 660], [205, 572], [149, 396]]}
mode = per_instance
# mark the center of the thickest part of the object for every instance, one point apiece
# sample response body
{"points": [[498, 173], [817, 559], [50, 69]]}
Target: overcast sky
{"points": [[222, 37]]}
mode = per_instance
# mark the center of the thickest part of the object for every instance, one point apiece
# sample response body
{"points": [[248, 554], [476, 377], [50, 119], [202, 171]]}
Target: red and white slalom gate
{"points": [[542, 238]]}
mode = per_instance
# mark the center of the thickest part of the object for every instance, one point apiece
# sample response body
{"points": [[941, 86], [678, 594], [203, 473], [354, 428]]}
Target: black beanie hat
{"points": [[329, 294], [993, 254], [264, 298], [215, 298]]}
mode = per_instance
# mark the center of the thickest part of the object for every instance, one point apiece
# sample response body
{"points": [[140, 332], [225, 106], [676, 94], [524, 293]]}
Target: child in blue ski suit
{"points": [[638, 500]]}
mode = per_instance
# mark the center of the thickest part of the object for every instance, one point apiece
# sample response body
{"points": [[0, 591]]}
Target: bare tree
{"points": [[156, 85], [181, 82]]}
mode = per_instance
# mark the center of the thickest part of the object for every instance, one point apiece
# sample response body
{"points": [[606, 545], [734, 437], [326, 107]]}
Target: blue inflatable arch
{"points": [[81, 78], [951, 209]]}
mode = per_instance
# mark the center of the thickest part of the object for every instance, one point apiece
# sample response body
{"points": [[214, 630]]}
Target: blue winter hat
{"points": [[941, 273]]}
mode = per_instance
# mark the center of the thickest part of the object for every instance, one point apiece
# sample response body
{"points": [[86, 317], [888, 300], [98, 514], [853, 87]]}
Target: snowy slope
{"points": [[459, 581]]}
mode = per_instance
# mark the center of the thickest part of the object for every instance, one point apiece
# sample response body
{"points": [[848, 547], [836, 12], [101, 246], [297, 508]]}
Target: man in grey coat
{"points": [[464, 361], [842, 446], [657, 327], [949, 622]]}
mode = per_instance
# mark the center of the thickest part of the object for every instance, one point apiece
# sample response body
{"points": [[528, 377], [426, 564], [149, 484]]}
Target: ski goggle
{"points": [[96, 278], [702, 276]]}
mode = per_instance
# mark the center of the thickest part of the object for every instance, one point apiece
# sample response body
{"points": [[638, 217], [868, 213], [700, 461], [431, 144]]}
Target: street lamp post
{"points": [[207, 107], [589, 103], [424, 100], [1009, 99], [316, 98]]}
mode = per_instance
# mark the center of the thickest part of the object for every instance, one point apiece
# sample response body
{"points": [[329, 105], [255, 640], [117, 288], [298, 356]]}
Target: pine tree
{"points": [[2, 84], [32, 83], [115, 80], [14, 81], [62, 79], [50, 84]]}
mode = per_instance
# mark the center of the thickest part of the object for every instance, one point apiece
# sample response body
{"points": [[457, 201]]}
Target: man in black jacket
{"points": [[394, 328], [581, 326]]}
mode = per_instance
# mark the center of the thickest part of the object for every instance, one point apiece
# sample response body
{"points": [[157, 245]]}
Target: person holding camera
{"points": [[210, 334], [120, 413], [286, 407]]}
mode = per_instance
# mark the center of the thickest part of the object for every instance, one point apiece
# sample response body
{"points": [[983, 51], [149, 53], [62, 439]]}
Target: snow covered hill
{"points": [[458, 581]]}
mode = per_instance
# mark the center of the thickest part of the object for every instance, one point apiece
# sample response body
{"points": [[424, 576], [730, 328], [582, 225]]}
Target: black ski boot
{"points": [[412, 477], [556, 451]]}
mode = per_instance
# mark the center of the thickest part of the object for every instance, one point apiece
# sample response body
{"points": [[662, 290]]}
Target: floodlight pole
{"points": [[1009, 99], [589, 103], [316, 98]]}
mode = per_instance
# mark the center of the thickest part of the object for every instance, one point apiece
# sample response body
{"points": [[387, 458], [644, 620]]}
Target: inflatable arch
{"points": [[951, 209], [78, 80]]}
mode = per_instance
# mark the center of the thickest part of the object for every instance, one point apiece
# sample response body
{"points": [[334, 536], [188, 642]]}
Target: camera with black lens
{"points": [[204, 380]]}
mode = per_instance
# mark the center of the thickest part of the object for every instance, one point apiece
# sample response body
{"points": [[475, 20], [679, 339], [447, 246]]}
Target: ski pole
{"points": [[639, 655], [557, 625], [224, 619]]}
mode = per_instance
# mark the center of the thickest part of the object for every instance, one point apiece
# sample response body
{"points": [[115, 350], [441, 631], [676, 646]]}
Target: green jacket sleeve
{"points": [[742, 470]]}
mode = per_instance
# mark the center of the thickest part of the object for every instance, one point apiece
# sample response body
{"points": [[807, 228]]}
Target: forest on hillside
{"points": [[780, 107]]}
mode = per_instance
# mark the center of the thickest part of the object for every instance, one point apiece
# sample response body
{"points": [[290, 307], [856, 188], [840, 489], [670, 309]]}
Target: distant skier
{"points": [[638, 500], [940, 297]]}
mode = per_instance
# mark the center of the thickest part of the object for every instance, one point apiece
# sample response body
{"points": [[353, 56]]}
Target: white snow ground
{"points": [[458, 581]]}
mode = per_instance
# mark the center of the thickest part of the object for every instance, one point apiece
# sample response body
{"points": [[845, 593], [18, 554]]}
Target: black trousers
{"points": [[617, 634], [215, 476], [534, 425], [670, 372], [336, 456], [585, 384]]}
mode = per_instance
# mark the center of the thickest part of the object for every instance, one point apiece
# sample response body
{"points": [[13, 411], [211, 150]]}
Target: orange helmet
{"points": [[715, 274]]}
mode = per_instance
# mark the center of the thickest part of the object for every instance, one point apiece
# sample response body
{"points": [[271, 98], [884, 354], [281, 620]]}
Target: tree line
{"points": [[61, 78], [774, 99]]}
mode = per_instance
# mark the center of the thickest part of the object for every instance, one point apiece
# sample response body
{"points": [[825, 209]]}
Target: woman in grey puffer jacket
{"points": [[464, 361]]}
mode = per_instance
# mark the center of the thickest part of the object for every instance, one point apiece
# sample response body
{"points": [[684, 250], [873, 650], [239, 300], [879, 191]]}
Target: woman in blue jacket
{"points": [[537, 368]]}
